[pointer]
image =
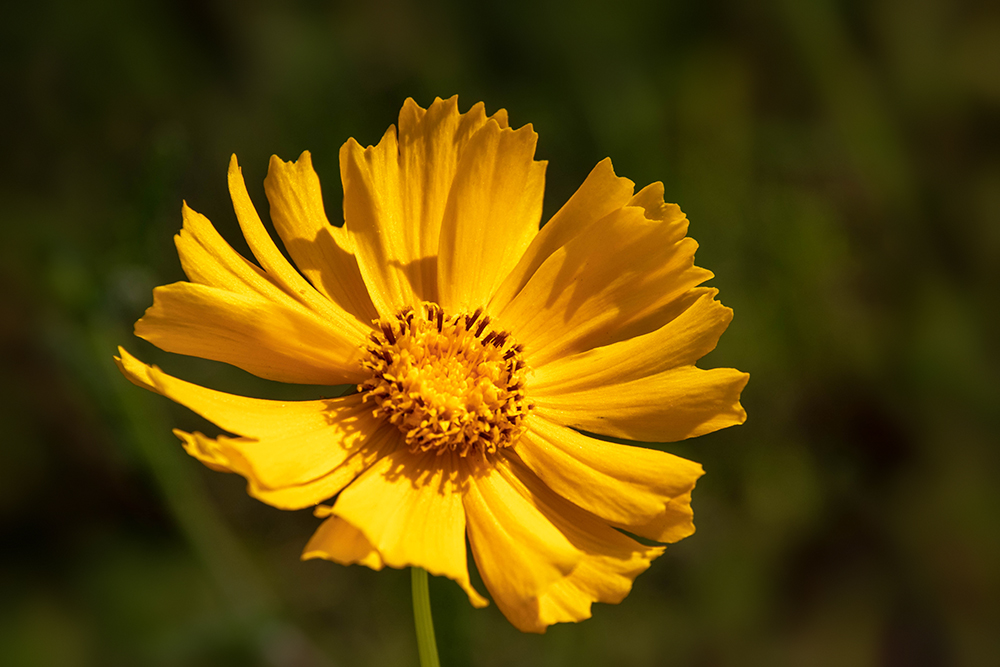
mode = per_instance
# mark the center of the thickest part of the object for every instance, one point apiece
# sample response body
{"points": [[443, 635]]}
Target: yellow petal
{"points": [[689, 336], [672, 405], [518, 551], [629, 487], [431, 143], [600, 194], [281, 341], [395, 195], [409, 508], [249, 458], [208, 260], [339, 541], [250, 417], [650, 199], [302, 455], [279, 269], [610, 562], [492, 215], [293, 453], [593, 291], [672, 525], [321, 251]]}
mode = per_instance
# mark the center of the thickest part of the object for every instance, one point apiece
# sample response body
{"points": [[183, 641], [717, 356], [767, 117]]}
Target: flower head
{"points": [[482, 348]]}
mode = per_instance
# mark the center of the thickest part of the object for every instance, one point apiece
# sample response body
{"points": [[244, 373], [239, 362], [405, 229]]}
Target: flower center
{"points": [[449, 383]]}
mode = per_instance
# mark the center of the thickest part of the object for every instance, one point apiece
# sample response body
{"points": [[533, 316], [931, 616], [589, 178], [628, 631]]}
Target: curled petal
{"points": [[644, 491], [518, 551], [610, 561], [293, 454], [339, 541], [243, 456]]}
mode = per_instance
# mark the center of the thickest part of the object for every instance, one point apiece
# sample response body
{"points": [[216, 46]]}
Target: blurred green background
{"points": [[839, 162]]}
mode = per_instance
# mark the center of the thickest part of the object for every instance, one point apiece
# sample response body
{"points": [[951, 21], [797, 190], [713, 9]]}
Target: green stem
{"points": [[426, 644]]}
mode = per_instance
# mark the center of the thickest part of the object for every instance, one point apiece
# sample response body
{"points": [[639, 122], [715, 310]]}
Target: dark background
{"points": [[839, 162]]}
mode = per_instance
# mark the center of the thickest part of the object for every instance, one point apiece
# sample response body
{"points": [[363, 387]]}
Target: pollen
{"points": [[450, 383]]}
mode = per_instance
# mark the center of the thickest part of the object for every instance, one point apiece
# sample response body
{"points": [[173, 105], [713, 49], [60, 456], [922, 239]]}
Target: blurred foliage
{"points": [[840, 164]]}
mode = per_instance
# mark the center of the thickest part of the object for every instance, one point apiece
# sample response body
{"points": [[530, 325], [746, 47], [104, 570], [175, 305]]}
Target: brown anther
{"points": [[482, 325]]}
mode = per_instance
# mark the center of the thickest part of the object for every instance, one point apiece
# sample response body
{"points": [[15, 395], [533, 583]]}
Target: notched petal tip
{"points": [[276, 165], [526, 134], [412, 112]]}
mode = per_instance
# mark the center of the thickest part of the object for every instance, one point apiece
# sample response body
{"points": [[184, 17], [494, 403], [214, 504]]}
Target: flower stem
{"points": [[426, 644]]}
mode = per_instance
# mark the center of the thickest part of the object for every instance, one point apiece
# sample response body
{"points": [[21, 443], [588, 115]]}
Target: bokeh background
{"points": [[839, 162]]}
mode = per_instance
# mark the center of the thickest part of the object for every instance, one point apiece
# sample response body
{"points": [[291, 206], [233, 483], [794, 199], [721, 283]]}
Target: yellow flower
{"points": [[482, 349]]}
